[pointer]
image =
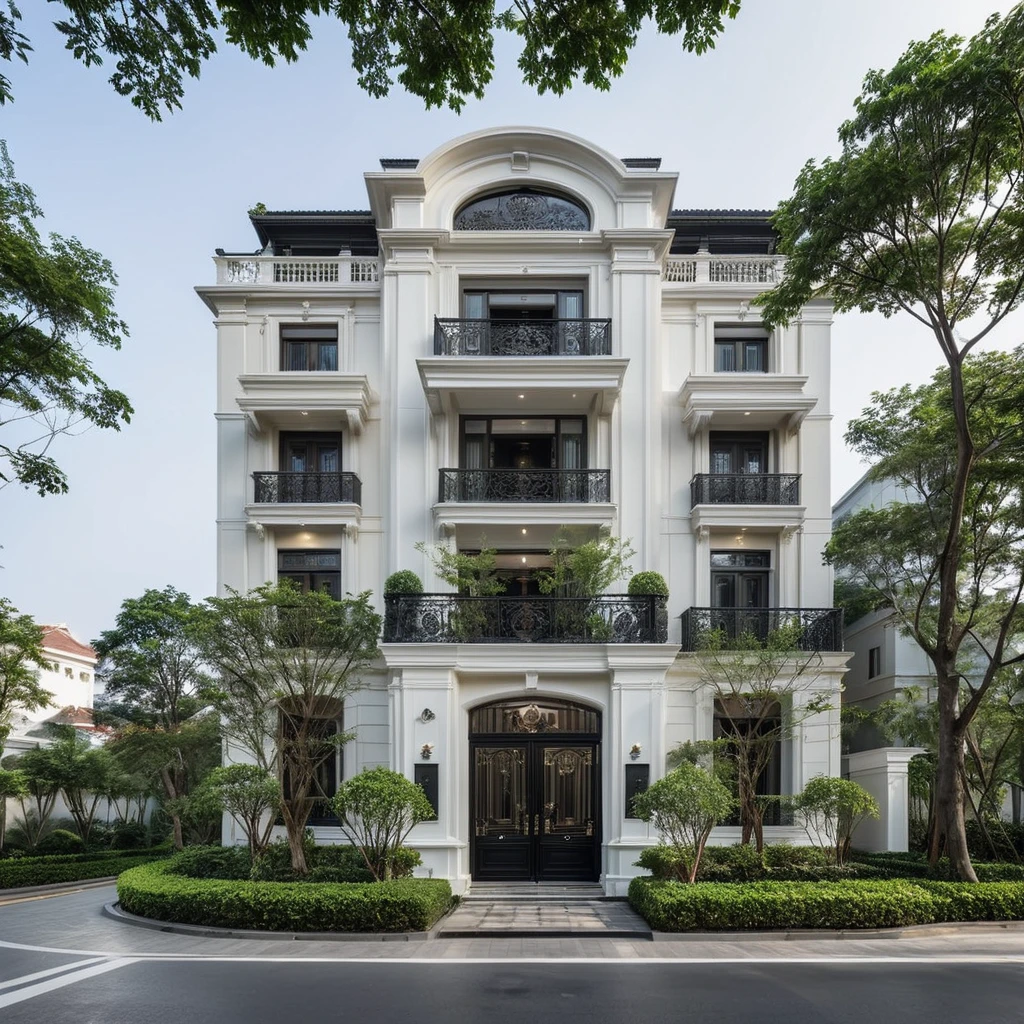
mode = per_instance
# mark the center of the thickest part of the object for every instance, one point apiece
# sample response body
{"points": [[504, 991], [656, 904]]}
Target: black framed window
{"points": [[308, 452], [312, 570], [740, 579], [753, 726], [874, 662], [739, 453], [330, 772], [517, 442], [740, 349], [307, 347]]}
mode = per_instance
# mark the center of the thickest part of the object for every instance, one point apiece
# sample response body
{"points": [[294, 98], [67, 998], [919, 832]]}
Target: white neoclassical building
{"points": [[521, 334]]}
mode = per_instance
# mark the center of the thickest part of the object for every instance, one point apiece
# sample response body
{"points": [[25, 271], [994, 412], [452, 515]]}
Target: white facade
{"points": [[653, 404]]}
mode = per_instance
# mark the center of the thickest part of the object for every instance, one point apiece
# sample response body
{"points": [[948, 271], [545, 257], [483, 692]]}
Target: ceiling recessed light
{"points": [[303, 413], [522, 396], [524, 531], [746, 414], [524, 559]]}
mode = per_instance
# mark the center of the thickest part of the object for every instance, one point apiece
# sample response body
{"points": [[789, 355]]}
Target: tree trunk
{"points": [[172, 794], [949, 794]]}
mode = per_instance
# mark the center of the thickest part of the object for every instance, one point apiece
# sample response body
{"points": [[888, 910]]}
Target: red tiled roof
{"points": [[59, 638]]}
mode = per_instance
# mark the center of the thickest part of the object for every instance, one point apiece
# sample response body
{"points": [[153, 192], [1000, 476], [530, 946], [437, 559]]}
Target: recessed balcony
{"points": [[455, 619], [584, 486], [814, 629], [745, 489], [306, 499], [305, 400], [530, 338]]}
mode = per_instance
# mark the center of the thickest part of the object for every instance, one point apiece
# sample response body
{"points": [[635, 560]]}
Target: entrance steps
{"points": [[542, 910], [497, 892]]}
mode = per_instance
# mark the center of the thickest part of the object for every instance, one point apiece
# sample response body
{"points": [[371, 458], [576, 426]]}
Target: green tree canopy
{"points": [[439, 50], [55, 296], [21, 654], [151, 662], [921, 214], [287, 661]]}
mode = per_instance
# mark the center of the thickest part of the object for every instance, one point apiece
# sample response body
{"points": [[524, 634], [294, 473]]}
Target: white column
{"points": [[883, 772]]}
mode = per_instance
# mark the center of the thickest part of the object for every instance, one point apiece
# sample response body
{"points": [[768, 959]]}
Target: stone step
{"points": [[496, 892]]}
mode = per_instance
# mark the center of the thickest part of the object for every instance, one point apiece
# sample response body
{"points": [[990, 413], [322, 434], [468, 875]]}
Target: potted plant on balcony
{"points": [[582, 568], [473, 576], [652, 585], [397, 612]]}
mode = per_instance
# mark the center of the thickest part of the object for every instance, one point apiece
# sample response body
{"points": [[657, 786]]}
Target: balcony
{"points": [[289, 500], [745, 489], [820, 629], [297, 272], [313, 488], [744, 401], [300, 400], [585, 486], [453, 618], [704, 270], [528, 338]]}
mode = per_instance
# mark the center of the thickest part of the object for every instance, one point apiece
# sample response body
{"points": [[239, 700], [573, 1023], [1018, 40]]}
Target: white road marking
{"points": [[978, 958], [40, 989], [26, 978]]}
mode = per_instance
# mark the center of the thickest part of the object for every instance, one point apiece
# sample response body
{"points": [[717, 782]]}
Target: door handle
{"points": [[567, 838], [536, 824]]}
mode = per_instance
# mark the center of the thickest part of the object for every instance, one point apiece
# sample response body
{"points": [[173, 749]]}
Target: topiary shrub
{"points": [[405, 581], [644, 583], [60, 840]]}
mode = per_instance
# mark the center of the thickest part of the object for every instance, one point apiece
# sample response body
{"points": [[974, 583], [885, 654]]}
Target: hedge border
{"points": [[25, 872], [408, 904], [759, 906]]}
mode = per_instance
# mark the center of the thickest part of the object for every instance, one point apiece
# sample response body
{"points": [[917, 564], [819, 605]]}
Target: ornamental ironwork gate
{"points": [[535, 792]]}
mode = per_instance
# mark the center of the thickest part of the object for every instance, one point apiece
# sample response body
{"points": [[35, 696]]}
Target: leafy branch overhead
{"points": [[54, 296], [439, 50]]}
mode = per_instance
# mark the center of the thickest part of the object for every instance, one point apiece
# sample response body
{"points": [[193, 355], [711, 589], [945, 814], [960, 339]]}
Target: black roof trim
{"points": [[317, 232], [721, 214], [400, 163], [642, 163]]}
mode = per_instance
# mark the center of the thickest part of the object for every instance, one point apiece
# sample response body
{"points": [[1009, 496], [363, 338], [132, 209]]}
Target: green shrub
{"points": [[643, 583], [60, 840], [403, 905], [128, 835], [405, 581], [16, 872], [709, 906], [977, 901], [785, 855], [227, 862], [832, 808]]}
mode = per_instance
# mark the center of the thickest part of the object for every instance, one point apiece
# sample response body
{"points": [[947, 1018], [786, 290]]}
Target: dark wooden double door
{"points": [[535, 809]]}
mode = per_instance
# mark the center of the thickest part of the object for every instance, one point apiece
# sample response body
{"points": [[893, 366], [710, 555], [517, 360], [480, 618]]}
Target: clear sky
{"points": [[157, 199]]}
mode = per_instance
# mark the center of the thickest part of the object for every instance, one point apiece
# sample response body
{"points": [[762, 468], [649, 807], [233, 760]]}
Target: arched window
{"points": [[541, 715], [523, 209]]}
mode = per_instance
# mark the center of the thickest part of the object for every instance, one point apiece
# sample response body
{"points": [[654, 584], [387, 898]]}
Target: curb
{"points": [[797, 935], [35, 890], [116, 913]]}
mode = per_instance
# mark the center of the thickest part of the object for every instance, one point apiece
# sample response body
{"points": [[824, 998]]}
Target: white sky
{"points": [[157, 199]]}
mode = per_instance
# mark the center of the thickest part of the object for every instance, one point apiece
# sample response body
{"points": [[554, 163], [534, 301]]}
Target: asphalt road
{"points": [[218, 992]]}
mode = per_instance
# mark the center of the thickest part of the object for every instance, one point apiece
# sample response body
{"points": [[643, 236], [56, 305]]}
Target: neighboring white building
{"points": [[521, 334], [69, 674]]}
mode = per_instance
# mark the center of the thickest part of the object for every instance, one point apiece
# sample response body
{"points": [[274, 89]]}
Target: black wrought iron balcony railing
{"points": [[745, 489], [453, 618], [814, 629], [314, 488], [533, 485], [522, 337]]}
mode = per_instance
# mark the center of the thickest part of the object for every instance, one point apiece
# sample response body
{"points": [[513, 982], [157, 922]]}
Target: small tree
{"points": [[287, 661], [21, 652], [42, 779], [832, 809], [377, 809], [755, 682], [583, 565], [251, 795], [685, 806], [81, 771], [12, 787]]}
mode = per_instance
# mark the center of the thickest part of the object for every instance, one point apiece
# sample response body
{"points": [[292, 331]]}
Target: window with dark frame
{"points": [[874, 662], [312, 570], [741, 722], [309, 347], [740, 350], [330, 772]]}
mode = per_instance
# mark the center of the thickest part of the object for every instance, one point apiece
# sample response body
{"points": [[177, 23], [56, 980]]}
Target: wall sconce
{"points": [[426, 715], [635, 751], [426, 750]]}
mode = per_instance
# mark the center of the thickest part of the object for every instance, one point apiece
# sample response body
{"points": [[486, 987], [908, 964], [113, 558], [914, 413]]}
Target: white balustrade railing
{"points": [[703, 268], [295, 270]]}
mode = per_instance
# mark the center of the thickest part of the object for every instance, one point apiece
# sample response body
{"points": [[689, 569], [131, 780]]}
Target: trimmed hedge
{"points": [[17, 872], [742, 863], [410, 904], [915, 865], [894, 903]]}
